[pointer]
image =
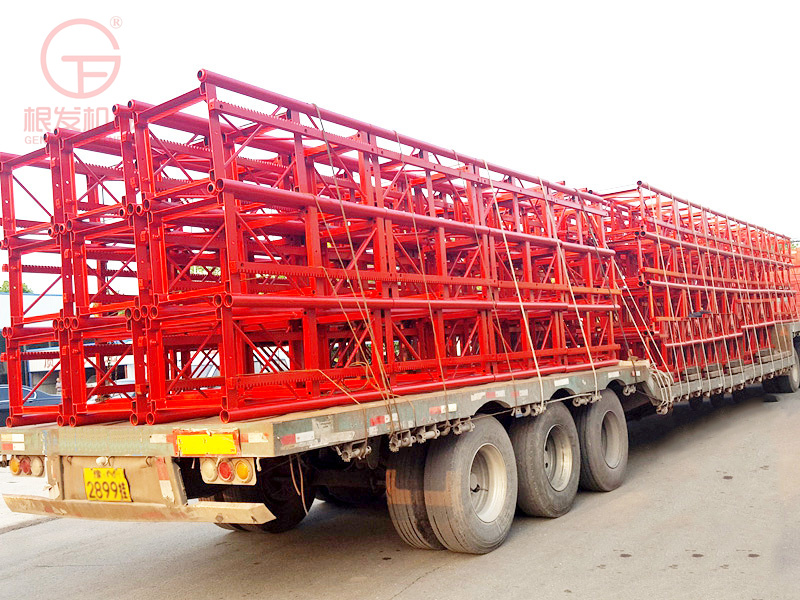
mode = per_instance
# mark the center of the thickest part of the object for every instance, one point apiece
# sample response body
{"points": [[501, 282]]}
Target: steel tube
{"points": [[256, 193], [279, 301], [228, 83]]}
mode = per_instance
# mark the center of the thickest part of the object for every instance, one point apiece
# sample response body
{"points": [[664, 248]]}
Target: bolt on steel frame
{"points": [[257, 255]]}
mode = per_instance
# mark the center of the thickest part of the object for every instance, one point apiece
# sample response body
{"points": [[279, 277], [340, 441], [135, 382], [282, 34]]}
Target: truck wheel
{"points": [[471, 488], [717, 400], [279, 494], [603, 434], [696, 403], [405, 495], [787, 384], [548, 462]]}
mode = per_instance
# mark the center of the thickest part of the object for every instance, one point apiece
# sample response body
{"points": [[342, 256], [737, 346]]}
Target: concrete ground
{"points": [[9, 484], [709, 510]]}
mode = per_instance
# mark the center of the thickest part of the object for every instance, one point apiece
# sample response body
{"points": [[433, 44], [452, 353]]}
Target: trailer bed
{"points": [[339, 426]]}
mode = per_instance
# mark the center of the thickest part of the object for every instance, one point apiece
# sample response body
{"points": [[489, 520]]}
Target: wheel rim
{"points": [[487, 483], [610, 439], [558, 458], [795, 372]]}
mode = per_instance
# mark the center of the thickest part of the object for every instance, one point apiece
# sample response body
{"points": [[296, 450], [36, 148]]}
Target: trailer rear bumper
{"points": [[201, 512]]}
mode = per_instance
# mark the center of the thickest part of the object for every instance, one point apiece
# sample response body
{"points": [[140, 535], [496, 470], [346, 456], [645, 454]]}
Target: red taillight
{"points": [[25, 465], [225, 470]]}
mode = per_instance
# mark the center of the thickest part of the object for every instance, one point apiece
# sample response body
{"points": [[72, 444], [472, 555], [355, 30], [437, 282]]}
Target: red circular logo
{"points": [[83, 72]]}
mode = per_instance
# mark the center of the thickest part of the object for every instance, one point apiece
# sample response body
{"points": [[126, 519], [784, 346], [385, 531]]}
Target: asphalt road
{"points": [[709, 510]]}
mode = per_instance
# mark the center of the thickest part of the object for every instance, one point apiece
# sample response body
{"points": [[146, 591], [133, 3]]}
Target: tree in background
{"points": [[6, 287]]}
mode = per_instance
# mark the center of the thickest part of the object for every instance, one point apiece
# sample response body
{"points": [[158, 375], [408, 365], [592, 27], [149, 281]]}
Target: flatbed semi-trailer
{"points": [[312, 306], [274, 466]]}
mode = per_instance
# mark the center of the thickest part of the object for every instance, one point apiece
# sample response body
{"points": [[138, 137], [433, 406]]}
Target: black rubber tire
{"points": [[280, 497], [597, 473], [537, 495], [405, 496], [448, 469], [788, 384], [770, 386], [717, 400], [696, 403]]}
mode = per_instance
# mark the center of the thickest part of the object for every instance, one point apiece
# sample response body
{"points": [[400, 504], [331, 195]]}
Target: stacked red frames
{"points": [[254, 255], [702, 291], [250, 255]]}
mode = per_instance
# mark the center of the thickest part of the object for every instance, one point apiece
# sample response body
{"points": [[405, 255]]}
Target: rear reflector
{"points": [[37, 466], [206, 443], [243, 471], [225, 470]]}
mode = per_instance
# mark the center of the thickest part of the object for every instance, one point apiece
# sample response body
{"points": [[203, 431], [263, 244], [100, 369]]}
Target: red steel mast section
{"points": [[256, 255], [253, 255], [703, 291]]}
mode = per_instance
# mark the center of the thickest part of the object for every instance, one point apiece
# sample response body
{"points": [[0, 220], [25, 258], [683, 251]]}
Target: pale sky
{"points": [[697, 98]]}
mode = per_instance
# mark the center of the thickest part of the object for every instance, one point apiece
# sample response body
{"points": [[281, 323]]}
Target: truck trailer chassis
{"points": [[156, 461]]}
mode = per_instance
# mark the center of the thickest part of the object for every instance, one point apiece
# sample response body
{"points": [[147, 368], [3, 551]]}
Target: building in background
{"points": [[34, 370]]}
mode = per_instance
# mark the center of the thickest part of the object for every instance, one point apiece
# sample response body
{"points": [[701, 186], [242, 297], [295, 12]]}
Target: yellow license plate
{"points": [[106, 485]]}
